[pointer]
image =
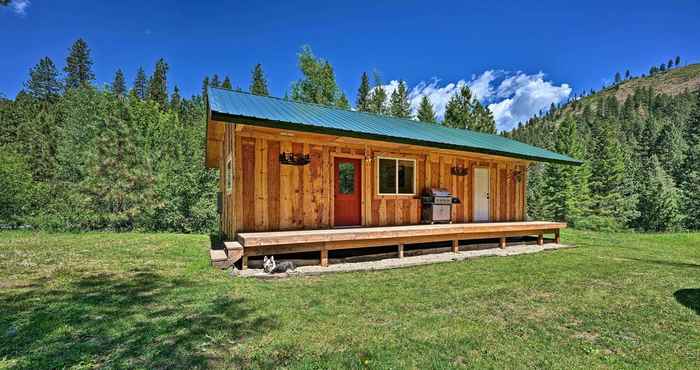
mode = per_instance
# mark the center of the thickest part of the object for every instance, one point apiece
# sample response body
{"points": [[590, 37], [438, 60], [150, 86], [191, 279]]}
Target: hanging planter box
{"points": [[294, 159], [459, 171]]}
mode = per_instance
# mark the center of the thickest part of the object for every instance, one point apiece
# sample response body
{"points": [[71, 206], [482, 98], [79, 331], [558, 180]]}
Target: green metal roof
{"points": [[234, 106]]}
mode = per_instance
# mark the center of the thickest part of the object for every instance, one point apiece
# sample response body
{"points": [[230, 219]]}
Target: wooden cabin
{"points": [[304, 177]]}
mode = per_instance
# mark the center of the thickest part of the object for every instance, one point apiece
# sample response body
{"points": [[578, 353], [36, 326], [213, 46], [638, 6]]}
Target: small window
{"points": [[346, 178], [396, 176], [228, 175]]}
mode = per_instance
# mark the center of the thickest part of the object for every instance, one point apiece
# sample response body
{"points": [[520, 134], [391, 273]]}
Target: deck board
{"points": [[278, 238]]}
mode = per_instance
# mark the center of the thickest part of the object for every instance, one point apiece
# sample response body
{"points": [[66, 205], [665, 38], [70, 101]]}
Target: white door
{"points": [[481, 194]]}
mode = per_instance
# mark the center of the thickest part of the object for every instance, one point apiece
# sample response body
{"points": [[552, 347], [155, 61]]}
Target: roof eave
{"points": [[231, 118]]}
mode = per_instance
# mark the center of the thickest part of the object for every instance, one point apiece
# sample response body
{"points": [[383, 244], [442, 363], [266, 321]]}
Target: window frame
{"points": [[228, 175], [396, 175]]}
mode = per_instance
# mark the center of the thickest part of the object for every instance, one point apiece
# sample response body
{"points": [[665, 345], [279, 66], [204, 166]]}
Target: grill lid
{"points": [[439, 192]]}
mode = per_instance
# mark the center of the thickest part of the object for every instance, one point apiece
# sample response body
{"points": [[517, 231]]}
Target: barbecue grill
{"points": [[437, 206]]}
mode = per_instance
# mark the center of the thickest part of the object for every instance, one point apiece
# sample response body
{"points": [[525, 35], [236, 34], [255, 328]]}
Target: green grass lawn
{"points": [[152, 301]]}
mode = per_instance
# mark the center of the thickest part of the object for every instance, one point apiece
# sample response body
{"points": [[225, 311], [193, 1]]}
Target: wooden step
{"points": [[219, 258], [234, 251]]}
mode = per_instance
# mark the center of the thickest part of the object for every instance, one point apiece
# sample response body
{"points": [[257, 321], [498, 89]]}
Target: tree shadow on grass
{"points": [[667, 263], [689, 298], [140, 319]]}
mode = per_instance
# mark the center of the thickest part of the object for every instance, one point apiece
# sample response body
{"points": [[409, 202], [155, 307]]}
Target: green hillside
{"points": [[671, 82], [640, 140]]}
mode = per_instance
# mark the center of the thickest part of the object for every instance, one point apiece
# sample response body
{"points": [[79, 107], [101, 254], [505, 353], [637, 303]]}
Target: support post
{"points": [[244, 262], [400, 250], [540, 239], [557, 239], [502, 243], [324, 257], [455, 246]]}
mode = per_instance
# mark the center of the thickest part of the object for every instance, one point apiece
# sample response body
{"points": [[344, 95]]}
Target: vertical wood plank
{"points": [[273, 184], [286, 191], [260, 190], [248, 175], [298, 189]]}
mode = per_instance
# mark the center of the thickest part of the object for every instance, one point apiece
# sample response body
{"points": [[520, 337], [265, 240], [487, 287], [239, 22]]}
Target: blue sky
{"points": [[518, 56]]}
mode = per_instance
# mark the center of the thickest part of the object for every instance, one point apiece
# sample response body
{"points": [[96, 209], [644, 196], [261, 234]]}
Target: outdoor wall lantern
{"points": [[294, 159], [459, 171]]}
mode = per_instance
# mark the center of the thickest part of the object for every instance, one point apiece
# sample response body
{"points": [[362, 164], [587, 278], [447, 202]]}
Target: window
{"points": [[346, 178], [228, 175], [396, 176]]}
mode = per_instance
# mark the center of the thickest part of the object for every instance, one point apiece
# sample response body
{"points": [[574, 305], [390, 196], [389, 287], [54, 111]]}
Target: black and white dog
{"points": [[271, 267]]}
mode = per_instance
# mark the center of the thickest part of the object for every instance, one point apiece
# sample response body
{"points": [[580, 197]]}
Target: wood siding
{"points": [[268, 196]]}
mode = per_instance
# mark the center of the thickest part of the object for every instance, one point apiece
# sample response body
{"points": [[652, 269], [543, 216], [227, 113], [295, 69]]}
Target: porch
{"points": [[251, 244]]}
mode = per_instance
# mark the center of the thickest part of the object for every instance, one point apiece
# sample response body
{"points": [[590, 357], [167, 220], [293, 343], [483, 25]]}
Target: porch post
{"points": [[502, 243], [244, 262], [400, 250], [455, 246], [540, 239], [324, 257], [556, 236]]}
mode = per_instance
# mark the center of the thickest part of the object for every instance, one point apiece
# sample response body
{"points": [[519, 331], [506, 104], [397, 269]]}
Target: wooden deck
{"points": [[281, 242]]}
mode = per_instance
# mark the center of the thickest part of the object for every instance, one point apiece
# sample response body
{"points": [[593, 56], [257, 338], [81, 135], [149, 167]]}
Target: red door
{"points": [[347, 192]]}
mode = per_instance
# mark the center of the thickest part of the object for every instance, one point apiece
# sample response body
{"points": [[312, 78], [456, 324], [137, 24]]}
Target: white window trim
{"points": [[396, 185], [228, 174]]}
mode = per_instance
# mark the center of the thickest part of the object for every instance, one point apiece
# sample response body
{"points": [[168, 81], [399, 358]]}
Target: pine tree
{"points": [[458, 112], [227, 83], [662, 67], [618, 78], [343, 102], [363, 94], [659, 204], [318, 83], [627, 74], [258, 83], [678, 61], [158, 84], [175, 100], [669, 65], [690, 182], [140, 84], [426, 113], [119, 84], [377, 98], [566, 187], [118, 187], [399, 105], [43, 81], [205, 87], [215, 82], [79, 66], [613, 200], [482, 119]]}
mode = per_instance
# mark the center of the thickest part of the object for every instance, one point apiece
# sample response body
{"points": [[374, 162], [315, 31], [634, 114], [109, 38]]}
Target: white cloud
{"points": [[521, 96], [512, 97], [20, 6]]}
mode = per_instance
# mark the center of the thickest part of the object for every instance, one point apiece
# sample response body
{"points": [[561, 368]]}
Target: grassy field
{"points": [[152, 301]]}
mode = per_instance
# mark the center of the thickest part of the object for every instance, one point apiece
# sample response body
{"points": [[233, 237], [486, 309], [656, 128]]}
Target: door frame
{"points": [[363, 173], [488, 186]]}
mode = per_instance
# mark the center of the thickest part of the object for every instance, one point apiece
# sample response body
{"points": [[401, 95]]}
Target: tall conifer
{"points": [[399, 105], [79, 66], [227, 83], [426, 113], [118, 86], [158, 84], [140, 88], [363, 94], [258, 83], [43, 83]]}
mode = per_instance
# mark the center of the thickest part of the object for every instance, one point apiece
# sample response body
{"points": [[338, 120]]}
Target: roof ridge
{"points": [[349, 110]]}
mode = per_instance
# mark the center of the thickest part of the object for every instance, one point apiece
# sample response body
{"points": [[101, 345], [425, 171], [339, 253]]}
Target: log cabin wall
{"points": [[269, 196]]}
